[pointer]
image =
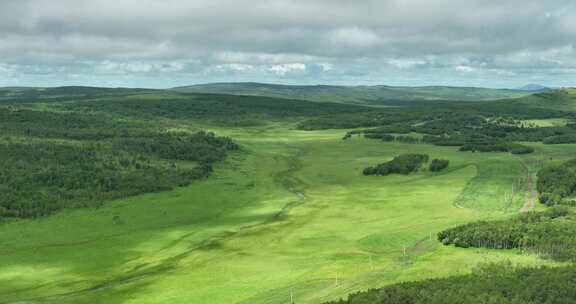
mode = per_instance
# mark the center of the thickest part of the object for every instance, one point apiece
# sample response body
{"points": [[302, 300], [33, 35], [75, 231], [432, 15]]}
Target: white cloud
{"points": [[261, 58], [465, 69], [283, 69], [355, 37], [6, 68], [233, 67], [115, 67], [300, 40], [406, 63]]}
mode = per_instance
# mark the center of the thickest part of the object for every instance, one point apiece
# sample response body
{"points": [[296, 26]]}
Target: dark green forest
{"points": [[472, 132], [75, 147], [437, 165], [557, 184], [228, 110], [551, 233], [493, 284], [401, 164], [51, 160], [38, 178]]}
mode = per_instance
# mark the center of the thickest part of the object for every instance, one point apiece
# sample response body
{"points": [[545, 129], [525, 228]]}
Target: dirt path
{"points": [[530, 201]]}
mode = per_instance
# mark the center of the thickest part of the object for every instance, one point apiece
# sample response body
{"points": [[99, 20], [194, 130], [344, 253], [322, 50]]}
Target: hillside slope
{"points": [[559, 100], [356, 94], [51, 94]]}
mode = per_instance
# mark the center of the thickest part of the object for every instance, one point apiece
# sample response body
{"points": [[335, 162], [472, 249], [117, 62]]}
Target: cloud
{"points": [[283, 69], [355, 38], [6, 68], [112, 67], [407, 63], [180, 41], [233, 67], [466, 69]]}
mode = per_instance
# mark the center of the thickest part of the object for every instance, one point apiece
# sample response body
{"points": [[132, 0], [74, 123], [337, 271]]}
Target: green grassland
{"points": [[291, 214], [552, 122]]}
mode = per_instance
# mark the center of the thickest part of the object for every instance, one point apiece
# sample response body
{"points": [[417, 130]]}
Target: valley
{"points": [[287, 217]]}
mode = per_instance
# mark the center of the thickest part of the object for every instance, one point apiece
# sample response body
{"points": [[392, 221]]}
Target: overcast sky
{"points": [[164, 43]]}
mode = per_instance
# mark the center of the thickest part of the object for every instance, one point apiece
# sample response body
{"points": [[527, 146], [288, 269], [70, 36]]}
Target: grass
{"points": [[550, 122], [290, 215]]}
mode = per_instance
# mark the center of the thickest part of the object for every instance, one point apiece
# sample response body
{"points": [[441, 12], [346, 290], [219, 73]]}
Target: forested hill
{"points": [[359, 95], [32, 94], [72, 147], [373, 95]]}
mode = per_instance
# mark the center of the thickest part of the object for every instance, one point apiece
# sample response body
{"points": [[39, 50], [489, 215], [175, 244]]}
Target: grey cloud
{"points": [[296, 39]]}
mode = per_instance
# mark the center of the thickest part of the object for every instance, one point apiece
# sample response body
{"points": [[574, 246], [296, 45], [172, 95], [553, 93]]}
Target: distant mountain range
{"points": [[532, 87], [24, 94], [373, 95], [378, 95]]}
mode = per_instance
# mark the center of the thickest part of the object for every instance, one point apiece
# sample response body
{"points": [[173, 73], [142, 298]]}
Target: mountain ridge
{"points": [[362, 94]]}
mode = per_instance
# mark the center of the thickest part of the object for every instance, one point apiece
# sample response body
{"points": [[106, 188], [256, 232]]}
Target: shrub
{"points": [[438, 165], [402, 164]]}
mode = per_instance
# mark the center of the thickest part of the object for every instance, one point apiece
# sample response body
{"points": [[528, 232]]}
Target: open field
{"points": [[290, 215], [552, 122]]}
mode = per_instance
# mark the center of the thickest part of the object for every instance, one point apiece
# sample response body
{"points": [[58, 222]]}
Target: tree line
{"points": [[406, 164], [40, 176], [499, 283], [493, 127], [401, 164], [557, 183], [551, 233]]}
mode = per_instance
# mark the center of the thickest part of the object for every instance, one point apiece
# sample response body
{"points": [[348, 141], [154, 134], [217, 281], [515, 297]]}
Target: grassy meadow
{"points": [[290, 216]]}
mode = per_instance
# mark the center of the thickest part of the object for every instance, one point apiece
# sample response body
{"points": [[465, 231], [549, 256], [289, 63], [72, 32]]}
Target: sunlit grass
{"points": [[291, 214]]}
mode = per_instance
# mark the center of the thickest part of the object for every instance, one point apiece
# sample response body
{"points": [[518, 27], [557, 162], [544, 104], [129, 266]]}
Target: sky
{"points": [[167, 43]]}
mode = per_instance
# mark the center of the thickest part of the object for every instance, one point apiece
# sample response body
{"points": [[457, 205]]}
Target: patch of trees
{"points": [[393, 138], [38, 178], [381, 136], [224, 109], [513, 148], [448, 141], [407, 139], [560, 139], [556, 184], [66, 93], [494, 118], [437, 165], [471, 142], [391, 118], [471, 133], [397, 128], [484, 147], [67, 125], [204, 147], [492, 283], [551, 233], [402, 164], [520, 149], [482, 127]]}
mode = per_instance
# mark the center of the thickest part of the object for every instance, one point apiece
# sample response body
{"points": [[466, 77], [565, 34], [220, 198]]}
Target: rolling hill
{"points": [[32, 94], [373, 95], [533, 87]]}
